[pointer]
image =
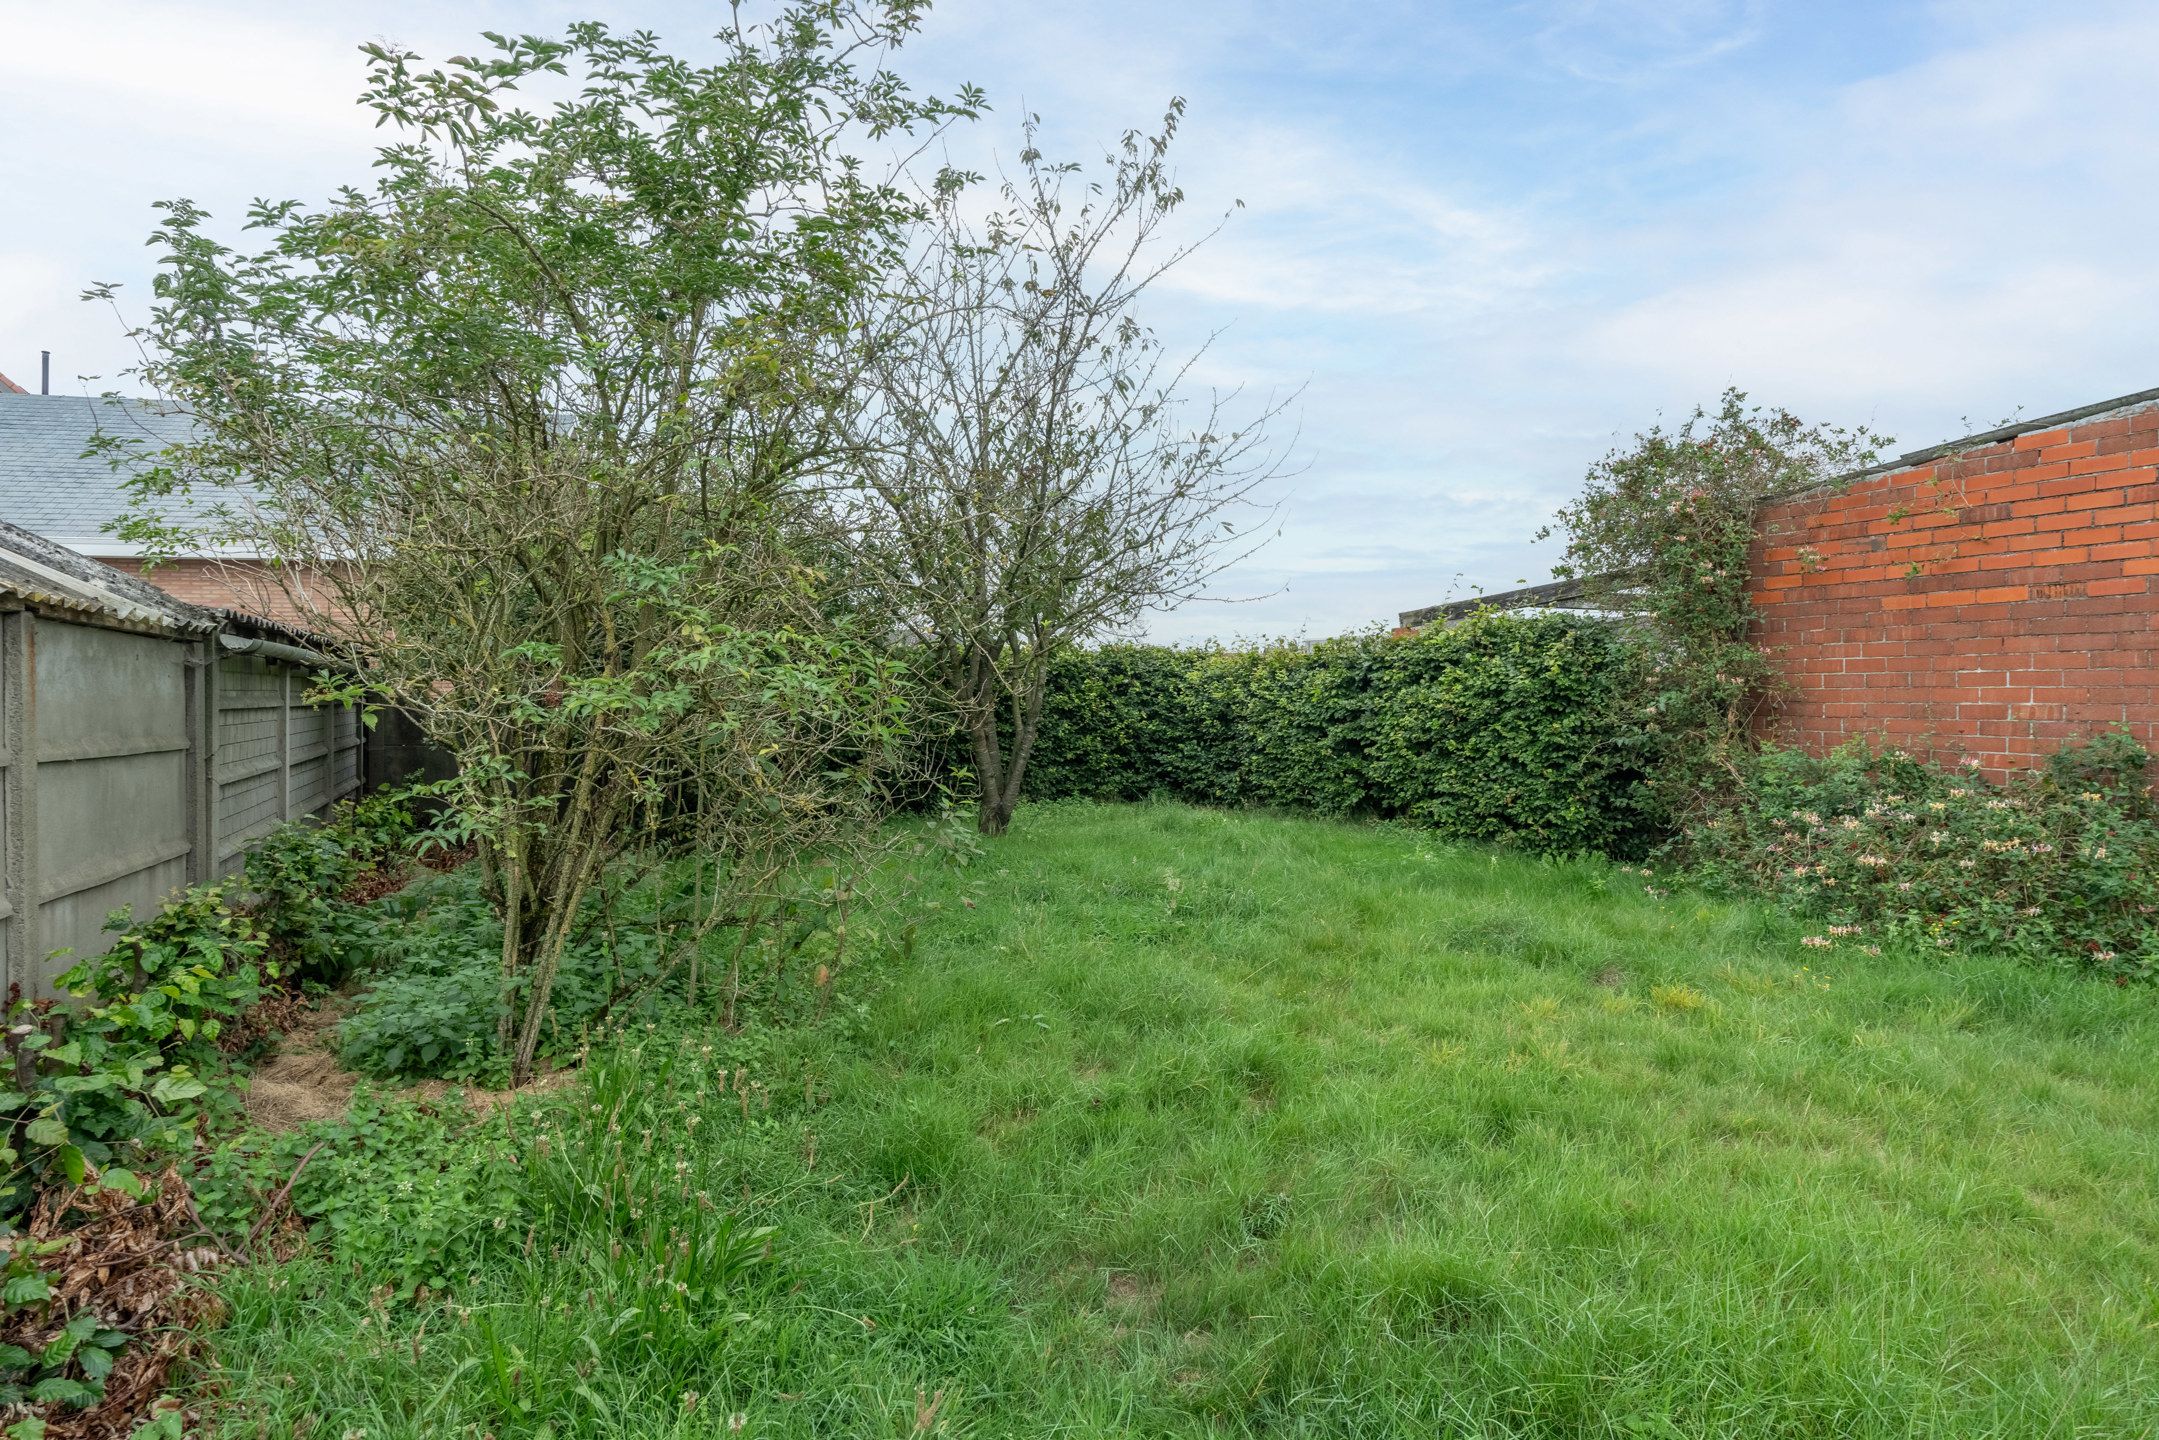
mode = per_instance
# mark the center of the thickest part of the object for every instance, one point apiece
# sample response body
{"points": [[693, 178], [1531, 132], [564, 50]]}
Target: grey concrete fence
{"points": [[133, 763]]}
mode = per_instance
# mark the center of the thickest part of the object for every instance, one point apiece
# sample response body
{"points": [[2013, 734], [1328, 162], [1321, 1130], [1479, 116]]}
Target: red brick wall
{"points": [[1989, 604], [242, 585]]}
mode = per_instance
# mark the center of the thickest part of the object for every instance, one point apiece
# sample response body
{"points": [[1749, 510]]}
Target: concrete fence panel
{"points": [[132, 764]]}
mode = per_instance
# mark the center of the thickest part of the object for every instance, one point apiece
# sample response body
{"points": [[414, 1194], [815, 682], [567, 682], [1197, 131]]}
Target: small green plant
{"points": [[435, 1000], [297, 877], [407, 1193], [69, 1356], [178, 977]]}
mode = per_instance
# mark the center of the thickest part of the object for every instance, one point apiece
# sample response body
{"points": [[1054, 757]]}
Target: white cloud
{"points": [[1965, 236]]}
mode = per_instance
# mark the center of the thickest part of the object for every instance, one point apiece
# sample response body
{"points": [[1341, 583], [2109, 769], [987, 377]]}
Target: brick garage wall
{"points": [[242, 585], [1992, 603]]}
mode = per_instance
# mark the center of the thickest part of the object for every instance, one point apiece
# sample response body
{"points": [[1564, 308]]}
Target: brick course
{"points": [[243, 585], [1989, 604]]}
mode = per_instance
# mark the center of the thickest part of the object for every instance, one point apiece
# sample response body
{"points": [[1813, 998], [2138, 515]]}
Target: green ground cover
{"points": [[1197, 1123]]}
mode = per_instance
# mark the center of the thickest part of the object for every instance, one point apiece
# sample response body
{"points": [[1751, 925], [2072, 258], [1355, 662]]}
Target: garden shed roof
{"points": [[41, 574], [37, 571]]}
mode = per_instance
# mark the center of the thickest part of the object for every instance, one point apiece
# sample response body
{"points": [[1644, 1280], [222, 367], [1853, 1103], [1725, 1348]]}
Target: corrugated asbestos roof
{"points": [[36, 571], [43, 575], [49, 486]]}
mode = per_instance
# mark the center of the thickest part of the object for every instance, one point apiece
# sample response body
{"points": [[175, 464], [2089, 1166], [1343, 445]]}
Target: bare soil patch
{"points": [[304, 1081]]}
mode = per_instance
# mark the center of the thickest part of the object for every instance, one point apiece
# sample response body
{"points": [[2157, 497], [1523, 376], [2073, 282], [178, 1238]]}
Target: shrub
{"points": [[1503, 727], [298, 874], [2059, 864], [435, 1004], [119, 1077]]}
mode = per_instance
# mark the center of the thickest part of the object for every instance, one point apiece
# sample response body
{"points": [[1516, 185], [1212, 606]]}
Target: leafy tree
{"points": [[524, 422], [1036, 475]]}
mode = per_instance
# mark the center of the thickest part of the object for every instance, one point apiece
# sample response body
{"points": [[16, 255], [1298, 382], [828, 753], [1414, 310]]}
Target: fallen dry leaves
{"points": [[130, 1261]]}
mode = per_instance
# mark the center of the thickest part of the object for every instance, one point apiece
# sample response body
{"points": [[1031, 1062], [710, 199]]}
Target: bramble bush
{"points": [[119, 1078], [2058, 865], [1501, 728]]}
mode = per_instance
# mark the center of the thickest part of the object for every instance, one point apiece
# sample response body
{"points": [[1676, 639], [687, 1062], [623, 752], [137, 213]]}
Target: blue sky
{"points": [[1487, 240]]}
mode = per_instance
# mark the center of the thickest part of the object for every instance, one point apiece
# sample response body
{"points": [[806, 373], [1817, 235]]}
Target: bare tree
{"points": [[1038, 476]]}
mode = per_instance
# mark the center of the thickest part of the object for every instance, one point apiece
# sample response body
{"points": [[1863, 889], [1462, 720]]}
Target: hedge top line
{"points": [[1579, 592]]}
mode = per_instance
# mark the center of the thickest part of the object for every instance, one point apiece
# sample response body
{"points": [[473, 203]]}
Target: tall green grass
{"points": [[1209, 1124]]}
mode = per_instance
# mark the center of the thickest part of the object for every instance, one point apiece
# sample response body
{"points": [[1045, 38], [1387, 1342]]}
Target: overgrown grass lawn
{"points": [[1211, 1124]]}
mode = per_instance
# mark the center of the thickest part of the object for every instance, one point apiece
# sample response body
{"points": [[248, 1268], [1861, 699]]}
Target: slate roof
{"points": [[50, 487]]}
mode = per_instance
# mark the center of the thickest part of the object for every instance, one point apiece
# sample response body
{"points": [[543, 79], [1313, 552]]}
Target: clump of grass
{"points": [[1362, 1136]]}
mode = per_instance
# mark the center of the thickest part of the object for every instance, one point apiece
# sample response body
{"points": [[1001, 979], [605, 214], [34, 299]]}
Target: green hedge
{"points": [[1500, 728]]}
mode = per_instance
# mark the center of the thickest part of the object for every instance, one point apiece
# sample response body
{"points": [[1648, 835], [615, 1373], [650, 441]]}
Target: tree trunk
{"points": [[999, 772], [993, 814]]}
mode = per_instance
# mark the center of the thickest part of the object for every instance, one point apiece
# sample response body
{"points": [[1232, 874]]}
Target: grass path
{"points": [[1205, 1124]]}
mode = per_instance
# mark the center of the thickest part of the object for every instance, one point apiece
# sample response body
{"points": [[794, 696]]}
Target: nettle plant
{"points": [[1663, 531]]}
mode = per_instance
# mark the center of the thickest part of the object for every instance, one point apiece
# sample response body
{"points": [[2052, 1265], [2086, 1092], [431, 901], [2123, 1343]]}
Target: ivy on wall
{"points": [[1664, 530]]}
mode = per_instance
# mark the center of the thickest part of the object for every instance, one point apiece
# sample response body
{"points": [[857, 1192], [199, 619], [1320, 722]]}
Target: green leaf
{"points": [[173, 1088], [63, 1346], [25, 1289], [58, 1390], [47, 1130], [123, 1180], [71, 1161]]}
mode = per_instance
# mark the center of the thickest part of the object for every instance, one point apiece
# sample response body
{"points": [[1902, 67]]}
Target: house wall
{"points": [[243, 585], [1991, 604]]}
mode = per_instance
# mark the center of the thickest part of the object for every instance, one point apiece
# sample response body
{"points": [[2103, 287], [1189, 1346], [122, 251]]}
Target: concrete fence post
{"points": [[199, 694], [22, 887], [284, 743]]}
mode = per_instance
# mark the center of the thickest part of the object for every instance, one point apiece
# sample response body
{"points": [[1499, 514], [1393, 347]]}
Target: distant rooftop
{"points": [[49, 487]]}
